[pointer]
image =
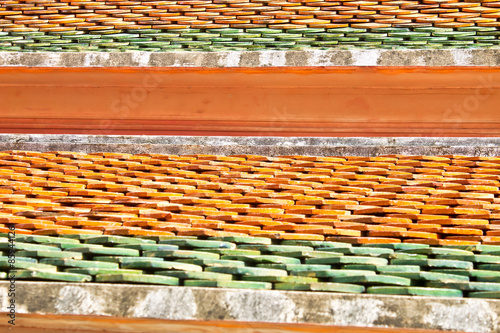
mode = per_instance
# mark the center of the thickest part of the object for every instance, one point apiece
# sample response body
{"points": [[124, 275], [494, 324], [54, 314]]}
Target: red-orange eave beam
{"points": [[272, 101]]}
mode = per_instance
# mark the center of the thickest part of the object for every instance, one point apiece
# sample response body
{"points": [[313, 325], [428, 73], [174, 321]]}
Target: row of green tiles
{"points": [[214, 39], [249, 262]]}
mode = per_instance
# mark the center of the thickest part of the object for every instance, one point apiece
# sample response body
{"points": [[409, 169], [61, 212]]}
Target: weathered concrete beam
{"points": [[271, 146], [314, 58], [266, 306]]}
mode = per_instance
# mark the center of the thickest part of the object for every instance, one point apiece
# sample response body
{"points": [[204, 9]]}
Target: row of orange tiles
{"points": [[49, 15], [354, 199]]}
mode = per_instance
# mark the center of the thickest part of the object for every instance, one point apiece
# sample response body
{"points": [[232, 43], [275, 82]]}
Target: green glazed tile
{"points": [[27, 265], [66, 33], [191, 275], [24, 259], [121, 260], [488, 278], [275, 248], [283, 279], [79, 236], [269, 259], [428, 276], [145, 31], [55, 276], [50, 240], [415, 291], [50, 254], [304, 30], [157, 239], [437, 251], [469, 286], [110, 251], [488, 33], [475, 38], [132, 39], [315, 244], [475, 273], [236, 252], [324, 246], [81, 37], [329, 273], [243, 240], [148, 247], [138, 278], [263, 30], [96, 271], [347, 260], [161, 265], [373, 280], [397, 246], [223, 30], [389, 29], [453, 33], [213, 262], [485, 294], [438, 263], [384, 39], [79, 263], [363, 267], [253, 271], [181, 254], [365, 35], [476, 258], [321, 286], [196, 243], [400, 255], [365, 251], [310, 254], [29, 247], [432, 29], [455, 42], [112, 240], [69, 246], [295, 267], [345, 40], [489, 267], [346, 30], [398, 268], [228, 284], [10, 38], [408, 34]]}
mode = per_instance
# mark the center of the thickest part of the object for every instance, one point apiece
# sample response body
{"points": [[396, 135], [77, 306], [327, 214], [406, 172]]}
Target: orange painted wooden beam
{"points": [[35, 323], [291, 101]]}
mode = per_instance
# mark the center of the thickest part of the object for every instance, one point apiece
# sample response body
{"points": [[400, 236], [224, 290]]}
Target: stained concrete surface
{"points": [[311, 58], [264, 306], [270, 146]]}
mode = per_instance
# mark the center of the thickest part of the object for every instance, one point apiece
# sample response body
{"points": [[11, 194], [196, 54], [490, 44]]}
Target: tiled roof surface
{"points": [[245, 24], [413, 225], [258, 263], [436, 200]]}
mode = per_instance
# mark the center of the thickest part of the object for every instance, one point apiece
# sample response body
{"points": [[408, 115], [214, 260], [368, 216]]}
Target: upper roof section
{"points": [[61, 25]]}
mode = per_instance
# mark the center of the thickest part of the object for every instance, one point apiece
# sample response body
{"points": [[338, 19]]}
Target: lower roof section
{"points": [[41, 305]]}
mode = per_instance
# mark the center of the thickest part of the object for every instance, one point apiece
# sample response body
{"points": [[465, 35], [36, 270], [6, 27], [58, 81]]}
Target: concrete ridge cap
{"points": [[271, 306], [256, 59], [491, 142], [270, 146]]}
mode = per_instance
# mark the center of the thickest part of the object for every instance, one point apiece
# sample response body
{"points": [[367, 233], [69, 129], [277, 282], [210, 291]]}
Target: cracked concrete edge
{"points": [[309, 58], [270, 146], [265, 306]]}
